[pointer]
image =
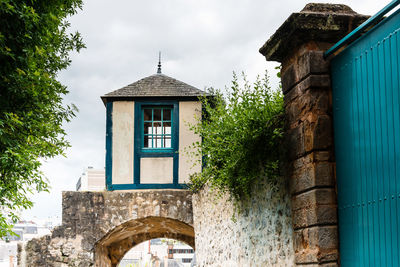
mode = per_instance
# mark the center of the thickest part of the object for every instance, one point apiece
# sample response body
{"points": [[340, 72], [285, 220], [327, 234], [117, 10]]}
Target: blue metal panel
{"points": [[366, 102]]}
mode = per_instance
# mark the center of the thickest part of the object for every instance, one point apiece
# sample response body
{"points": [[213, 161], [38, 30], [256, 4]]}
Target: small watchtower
{"points": [[148, 133]]}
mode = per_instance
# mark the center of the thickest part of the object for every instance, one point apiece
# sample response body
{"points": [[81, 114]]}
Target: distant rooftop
{"points": [[157, 85]]}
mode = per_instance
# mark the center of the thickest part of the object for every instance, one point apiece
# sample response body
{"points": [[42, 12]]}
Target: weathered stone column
{"points": [[299, 44]]}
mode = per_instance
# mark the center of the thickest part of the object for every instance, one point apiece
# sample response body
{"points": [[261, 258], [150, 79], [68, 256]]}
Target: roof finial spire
{"points": [[159, 63]]}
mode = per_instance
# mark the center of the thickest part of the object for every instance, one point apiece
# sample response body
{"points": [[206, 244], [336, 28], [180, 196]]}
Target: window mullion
{"points": [[152, 128], [162, 128]]}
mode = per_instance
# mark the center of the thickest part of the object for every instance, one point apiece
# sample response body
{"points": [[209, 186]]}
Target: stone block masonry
{"points": [[98, 228], [260, 235], [310, 166]]}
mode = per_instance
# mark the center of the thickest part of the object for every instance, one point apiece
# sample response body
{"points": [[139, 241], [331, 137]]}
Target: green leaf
{"points": [[242, 132], [34, 47]]}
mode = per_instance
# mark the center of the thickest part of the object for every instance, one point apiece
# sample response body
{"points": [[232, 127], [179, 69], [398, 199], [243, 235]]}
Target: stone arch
{"points": [[99, 224], [115, 244]]}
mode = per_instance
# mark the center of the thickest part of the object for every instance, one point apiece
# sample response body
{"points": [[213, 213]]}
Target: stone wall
{"points": [[299, 45], [98, 228], [260, 235]]}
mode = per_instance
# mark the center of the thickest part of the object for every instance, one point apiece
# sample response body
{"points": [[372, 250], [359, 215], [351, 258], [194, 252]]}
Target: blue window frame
{"points": [[157, 124]]}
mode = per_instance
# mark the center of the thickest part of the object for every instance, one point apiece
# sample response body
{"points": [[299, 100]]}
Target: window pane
{"points": [[167, 141], [147, 128], [147, 114], [157, 128], [157, 114], [157, 143], [147, 141], [166, 114], [167, 128]]}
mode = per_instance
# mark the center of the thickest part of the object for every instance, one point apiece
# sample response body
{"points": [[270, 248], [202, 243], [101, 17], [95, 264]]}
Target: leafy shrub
{"points": [[35, 45], [241, 137]]}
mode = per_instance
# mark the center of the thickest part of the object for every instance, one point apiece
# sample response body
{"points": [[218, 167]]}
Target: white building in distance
{"points": [[91, 180]]}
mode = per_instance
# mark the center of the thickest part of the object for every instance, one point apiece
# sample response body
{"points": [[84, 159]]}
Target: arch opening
{"points": [[114, 245], [159, 252]]}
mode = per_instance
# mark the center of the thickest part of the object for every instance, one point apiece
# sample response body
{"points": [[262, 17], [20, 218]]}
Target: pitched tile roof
{"points": [[156, 85]]}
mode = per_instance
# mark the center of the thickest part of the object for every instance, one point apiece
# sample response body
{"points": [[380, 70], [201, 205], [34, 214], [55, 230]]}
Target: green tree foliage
{"points": [[34, 47], [241, 137]]}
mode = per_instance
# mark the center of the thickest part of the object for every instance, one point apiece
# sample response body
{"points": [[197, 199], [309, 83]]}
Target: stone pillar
{"points": [[299, 44]]}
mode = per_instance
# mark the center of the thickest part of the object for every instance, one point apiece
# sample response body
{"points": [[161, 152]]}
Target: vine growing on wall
{"points": [[242, 134]]}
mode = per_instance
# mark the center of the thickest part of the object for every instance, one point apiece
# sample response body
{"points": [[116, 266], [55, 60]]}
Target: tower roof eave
{"points": [[157, 85]]}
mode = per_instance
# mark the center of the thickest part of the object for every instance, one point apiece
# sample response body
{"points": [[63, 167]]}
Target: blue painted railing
{"points": [[360, 29]]}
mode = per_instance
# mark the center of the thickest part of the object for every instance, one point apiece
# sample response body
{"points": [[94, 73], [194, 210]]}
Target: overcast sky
{"points": [[202, 43]]}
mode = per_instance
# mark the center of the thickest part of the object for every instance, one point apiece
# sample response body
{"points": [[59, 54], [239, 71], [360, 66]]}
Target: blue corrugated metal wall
{"points": [[366, 103]]}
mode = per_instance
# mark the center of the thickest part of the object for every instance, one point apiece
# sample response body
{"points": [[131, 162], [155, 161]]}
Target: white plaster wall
{"points": [[189, 114], [123, 118], [260, 235], [156, 170]]}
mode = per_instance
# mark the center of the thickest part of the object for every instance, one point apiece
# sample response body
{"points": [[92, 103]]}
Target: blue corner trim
{"points": [[137, 143], [109, 109], [359, 30], [175, 144]]}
